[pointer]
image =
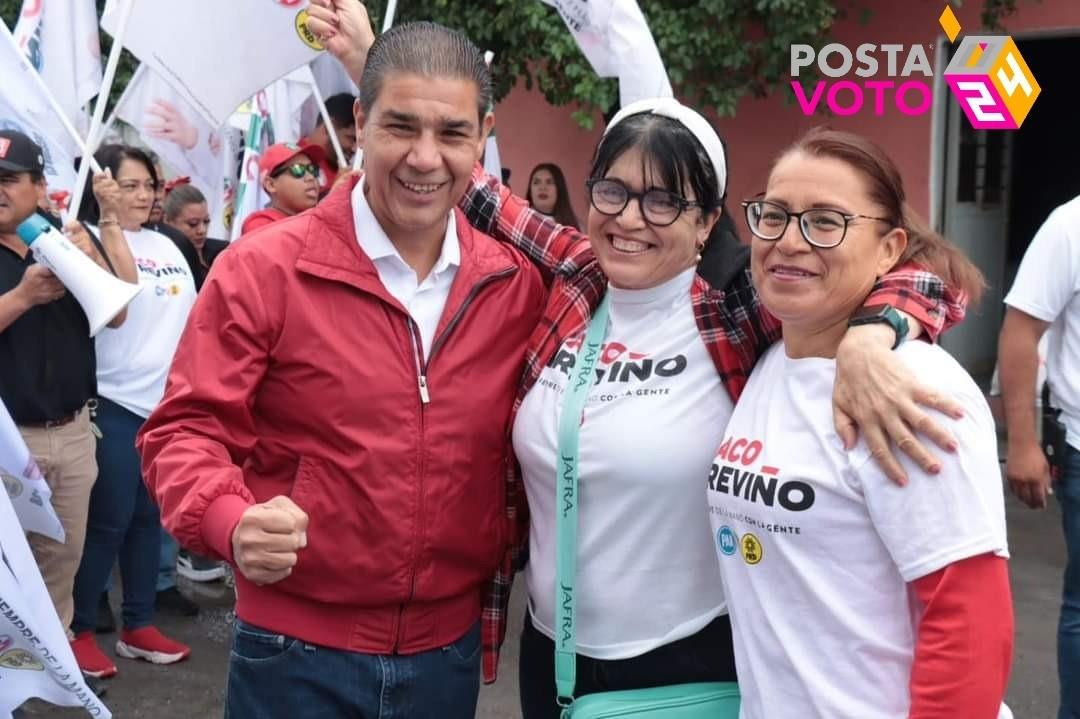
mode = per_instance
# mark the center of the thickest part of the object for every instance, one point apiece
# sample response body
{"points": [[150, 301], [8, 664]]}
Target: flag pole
{"points": [[330, 129], [80, 143], [99, 106], [391, 10]]}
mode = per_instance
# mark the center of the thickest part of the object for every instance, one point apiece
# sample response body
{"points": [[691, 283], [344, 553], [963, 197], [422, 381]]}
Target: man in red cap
{"points": [[290, 176]]}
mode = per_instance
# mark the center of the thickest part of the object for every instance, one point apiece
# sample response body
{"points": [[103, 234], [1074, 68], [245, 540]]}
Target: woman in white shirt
{"points": [[649, 605], [132, 363], [851, 596]]}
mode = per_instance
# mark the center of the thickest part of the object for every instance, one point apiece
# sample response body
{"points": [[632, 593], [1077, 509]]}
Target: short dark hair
{"points": [[180, 197], [340, 109], [427, 49], [676, 157], [110, 157]]}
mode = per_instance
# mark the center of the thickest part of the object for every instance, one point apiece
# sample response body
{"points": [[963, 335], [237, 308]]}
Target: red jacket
{"points": [[261, 218], [297, 375]]}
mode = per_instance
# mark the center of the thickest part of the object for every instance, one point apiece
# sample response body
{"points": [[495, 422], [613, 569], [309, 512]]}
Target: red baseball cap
{"points": [[277, 155]]}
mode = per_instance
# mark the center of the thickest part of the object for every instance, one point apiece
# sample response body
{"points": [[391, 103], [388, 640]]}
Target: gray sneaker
{"points": [[199, 569]]}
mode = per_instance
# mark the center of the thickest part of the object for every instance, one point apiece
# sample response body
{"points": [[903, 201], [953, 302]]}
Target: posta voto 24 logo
{"points": [[987, 75]]}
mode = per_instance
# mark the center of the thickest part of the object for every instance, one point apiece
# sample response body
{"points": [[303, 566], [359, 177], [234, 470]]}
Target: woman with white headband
{"points": [[649, 604]]}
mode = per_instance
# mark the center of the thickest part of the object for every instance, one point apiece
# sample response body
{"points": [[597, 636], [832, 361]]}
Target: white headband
{"points": [[698, 126]]}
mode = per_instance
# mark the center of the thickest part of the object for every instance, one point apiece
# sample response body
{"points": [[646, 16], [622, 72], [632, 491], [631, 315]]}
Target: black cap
{"points": [[18, 153]]}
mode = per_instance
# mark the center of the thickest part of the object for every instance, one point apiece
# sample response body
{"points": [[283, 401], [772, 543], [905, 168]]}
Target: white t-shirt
{"points": [[647, 572], [1047, 287], [425, 301], [817, 546], [133, 360]]}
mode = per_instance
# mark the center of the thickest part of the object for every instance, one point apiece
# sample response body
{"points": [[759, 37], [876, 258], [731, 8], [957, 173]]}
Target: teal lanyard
{"points": [[566, 501]]}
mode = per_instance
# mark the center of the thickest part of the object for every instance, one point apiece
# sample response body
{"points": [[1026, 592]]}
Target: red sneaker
{"points": [[90, 658], [149, 644]]}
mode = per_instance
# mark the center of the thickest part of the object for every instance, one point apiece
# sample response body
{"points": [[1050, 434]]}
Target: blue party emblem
{"points": [[726, 540]]}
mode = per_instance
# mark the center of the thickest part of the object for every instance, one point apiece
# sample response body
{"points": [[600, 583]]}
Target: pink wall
{"points": [[530, 131]]}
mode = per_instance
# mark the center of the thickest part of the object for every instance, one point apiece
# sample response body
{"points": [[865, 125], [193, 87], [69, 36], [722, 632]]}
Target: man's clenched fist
{"points": [[267, 539]]}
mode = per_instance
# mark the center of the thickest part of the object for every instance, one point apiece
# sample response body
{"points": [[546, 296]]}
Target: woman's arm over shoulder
{"points": [[493, 209], [959, 512]]}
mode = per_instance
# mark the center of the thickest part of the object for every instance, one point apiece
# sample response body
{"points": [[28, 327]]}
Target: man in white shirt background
{"points": [[1046, 295]]}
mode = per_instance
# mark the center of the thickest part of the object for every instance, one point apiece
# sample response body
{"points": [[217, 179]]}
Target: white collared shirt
{"points": [[425, 300]]}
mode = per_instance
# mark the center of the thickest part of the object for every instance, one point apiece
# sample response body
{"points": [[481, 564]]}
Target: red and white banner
{"points": [[35, 656], [24, 484], [218, 54], [171, 127], [24, 106], [60, 38]]}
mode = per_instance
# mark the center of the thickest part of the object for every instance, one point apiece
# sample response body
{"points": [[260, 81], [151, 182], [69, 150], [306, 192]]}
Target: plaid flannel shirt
{"points": [[734, 325]]}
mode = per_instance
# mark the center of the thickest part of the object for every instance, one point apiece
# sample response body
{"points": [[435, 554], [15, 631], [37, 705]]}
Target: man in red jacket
{"points": [[335, 419]]}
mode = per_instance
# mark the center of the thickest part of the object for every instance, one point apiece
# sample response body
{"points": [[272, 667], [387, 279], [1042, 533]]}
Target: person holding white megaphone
{"points": [[133, 362], [48, 354], [101, 295]]}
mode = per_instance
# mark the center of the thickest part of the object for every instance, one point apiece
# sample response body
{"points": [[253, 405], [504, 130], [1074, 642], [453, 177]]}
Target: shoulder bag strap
{"points": [[566, 493]]}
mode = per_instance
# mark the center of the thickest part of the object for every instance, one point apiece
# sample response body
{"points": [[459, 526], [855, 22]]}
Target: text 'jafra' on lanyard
{"points": [[566, 493]]}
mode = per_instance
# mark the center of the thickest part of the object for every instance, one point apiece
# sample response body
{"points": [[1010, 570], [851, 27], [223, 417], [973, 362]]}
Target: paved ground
{"points": [[194, 689]]}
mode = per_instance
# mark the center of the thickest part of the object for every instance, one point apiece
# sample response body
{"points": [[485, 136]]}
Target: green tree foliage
{"points": [[716, 51]]}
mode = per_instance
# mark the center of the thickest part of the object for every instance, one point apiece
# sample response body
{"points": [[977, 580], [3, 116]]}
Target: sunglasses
{"points": [[298, 170]]}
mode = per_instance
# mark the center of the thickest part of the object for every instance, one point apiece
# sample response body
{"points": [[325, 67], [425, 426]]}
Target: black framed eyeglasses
{"points": [[821, 227], [660, 208], [298, 170]]}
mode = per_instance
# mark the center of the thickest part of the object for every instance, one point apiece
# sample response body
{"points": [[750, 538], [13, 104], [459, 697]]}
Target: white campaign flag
{"points": [[249, 193], [171, 127], [492, 161], [60, 37], [217, 54], [25, 107], [25, 485], [617, 41], [35, 656], [225, 191], [285, 101], [331, 79]]}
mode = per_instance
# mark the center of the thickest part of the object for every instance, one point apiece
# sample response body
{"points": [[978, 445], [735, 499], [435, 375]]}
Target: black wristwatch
{"points": [[882, 313]]}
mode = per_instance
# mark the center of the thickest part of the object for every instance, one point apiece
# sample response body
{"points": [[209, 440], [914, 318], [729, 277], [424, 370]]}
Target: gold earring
{"points": [[700, 248]]}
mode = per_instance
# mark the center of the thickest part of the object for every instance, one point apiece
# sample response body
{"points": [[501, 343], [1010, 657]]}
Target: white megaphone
{"points": [[101, 295]]}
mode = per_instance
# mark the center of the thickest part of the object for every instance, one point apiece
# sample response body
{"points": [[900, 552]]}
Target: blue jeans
{"points": [[166, 577], [123, 521], [272, 675], [1068, 494]]}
